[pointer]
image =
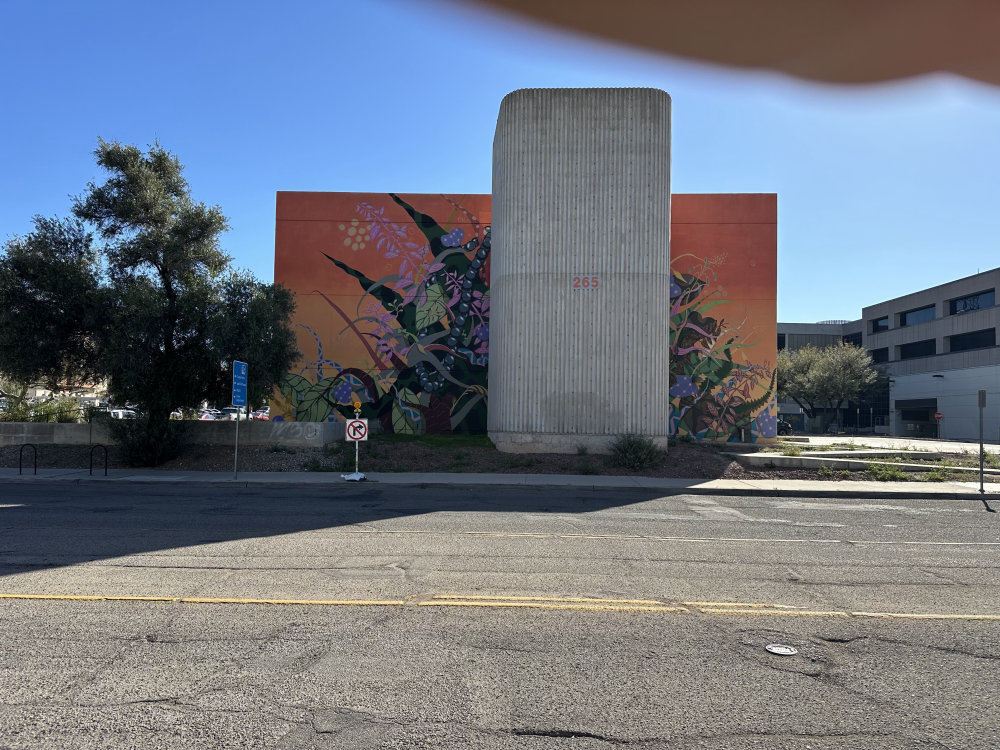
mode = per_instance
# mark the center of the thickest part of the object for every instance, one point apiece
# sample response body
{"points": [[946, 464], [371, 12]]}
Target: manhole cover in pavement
{"points": [[780, 650]]}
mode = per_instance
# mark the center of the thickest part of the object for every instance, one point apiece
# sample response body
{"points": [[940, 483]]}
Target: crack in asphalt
{"points": [[402, 567], [896, 643], [870, 737], [576, 734], [946, 579]]}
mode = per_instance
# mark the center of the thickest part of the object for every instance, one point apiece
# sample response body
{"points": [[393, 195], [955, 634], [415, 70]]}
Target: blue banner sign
{"points": [[240, 383]]}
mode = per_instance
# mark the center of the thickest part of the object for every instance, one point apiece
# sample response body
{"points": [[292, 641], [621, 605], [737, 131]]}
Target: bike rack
{"points": [[20, 456], [92, 459]]}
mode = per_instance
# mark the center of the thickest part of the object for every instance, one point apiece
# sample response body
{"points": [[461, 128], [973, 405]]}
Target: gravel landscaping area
{"points": [[444, 454]]}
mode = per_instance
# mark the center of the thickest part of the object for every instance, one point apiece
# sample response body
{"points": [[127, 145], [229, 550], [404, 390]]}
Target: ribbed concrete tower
{"points": [[580, 276]]}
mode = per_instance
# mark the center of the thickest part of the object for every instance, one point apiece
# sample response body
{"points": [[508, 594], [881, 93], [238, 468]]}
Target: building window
{"points": [[853, 338], [975, 340], [781, 341], [918, 349], [920, 315], [880, 324], [880, 355], [979, 301]]}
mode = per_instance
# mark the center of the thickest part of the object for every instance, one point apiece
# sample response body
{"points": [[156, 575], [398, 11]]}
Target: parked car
{"points": [[784, 428], [264, 413], [206, 416], [233, 413]]}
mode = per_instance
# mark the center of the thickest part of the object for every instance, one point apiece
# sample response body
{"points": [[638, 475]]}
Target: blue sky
{"points": [[882, 190]]}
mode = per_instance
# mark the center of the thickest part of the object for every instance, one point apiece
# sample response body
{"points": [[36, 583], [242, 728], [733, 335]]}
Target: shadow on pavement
{"points": [[54, 525]]}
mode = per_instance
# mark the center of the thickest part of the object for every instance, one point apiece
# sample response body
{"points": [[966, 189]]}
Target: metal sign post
{"points": [[240, 370], [355, 431], [982, 448]]}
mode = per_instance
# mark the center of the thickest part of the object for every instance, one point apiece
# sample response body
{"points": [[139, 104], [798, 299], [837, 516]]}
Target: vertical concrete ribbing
{"points": [[581, 187]]}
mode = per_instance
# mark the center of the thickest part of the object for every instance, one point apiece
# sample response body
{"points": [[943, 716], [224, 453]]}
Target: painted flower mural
{"points": [[425, 328], [712, 396], [394, 311]]}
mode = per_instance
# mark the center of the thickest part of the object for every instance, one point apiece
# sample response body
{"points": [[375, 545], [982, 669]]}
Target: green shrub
{"points": [[147, 444], [824, 471], [881, 473], [59, 409], [20, 412], [791, 450], [634, 452], [581, 450], [943, 474]]}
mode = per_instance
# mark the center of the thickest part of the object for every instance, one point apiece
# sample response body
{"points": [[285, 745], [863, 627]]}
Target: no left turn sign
{"points": [[357, 429]]}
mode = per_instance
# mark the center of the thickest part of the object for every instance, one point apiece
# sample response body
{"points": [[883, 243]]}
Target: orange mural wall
{"points": [[723, 308], [393, 310]]}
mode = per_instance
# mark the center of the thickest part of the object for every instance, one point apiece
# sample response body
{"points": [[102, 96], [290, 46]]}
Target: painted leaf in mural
{"points": [[406, 418], [315, 403], [434, 309]]}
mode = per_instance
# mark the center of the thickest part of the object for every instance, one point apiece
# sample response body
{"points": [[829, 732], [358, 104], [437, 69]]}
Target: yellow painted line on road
{"points": [[306, 602], [587, 599], [576, 606], [739, 604], [584, 604], [577, 603], [930, 616], [772, 612], [90, 597], [210, 600]]}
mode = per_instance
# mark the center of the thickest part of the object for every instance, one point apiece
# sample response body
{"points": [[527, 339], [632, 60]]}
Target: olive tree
{"points": [[136, 290], [822, 381]]}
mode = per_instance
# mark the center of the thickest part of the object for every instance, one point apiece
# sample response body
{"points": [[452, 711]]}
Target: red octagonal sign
{"points": [[938, 415]]}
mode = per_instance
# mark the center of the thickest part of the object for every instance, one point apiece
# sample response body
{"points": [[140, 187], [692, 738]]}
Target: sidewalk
{"points": [[738, 487]]}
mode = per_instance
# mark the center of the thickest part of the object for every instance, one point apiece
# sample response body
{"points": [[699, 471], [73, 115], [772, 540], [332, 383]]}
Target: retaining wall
{"points": [[300, 434]]}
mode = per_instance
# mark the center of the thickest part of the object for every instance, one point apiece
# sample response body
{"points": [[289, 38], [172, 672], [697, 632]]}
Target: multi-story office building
{"points": [[938, 348]]}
